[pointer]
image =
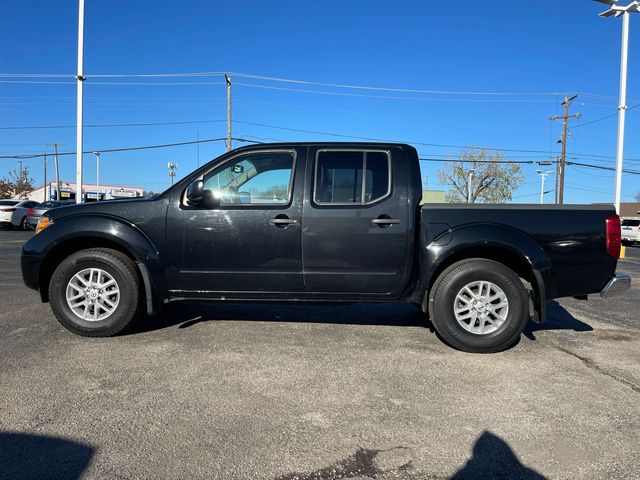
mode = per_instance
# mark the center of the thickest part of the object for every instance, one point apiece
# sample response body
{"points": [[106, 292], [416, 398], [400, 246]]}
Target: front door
{"points": [[251, 243], [356, 223]]}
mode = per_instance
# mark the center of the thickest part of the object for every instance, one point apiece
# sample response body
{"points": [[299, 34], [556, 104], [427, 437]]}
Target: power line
{"points": [[277, 79], [442, 145], [103, 125], [129, 149], [603, 118], [541, 153]]}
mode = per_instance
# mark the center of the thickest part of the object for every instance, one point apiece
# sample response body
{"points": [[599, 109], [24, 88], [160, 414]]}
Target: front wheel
{"points": [[96, 292], [479, 306]]}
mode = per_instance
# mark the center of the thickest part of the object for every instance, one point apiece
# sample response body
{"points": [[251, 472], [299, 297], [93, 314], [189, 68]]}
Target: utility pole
{"points": [[55, 150], [97, 154], [44, 196], [471, 172], [566, 103], [80, 81], [172, 171], [227, 78]]}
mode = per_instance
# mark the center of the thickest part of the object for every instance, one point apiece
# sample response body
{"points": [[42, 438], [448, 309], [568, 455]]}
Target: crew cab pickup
{"points": [[336, 222]]}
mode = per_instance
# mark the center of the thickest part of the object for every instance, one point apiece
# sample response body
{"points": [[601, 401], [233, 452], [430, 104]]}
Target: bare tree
{"points": [[21, 182], [493, 179], [6, 188], [637, 196]]}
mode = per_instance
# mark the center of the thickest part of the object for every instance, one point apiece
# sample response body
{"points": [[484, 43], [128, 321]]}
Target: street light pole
{"points": [[80, 81], [543, 175], [97, 154], [618, 11], [622, 108]]}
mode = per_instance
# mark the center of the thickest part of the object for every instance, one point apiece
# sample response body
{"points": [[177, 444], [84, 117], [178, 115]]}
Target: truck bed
{"points": [[570, 239]]}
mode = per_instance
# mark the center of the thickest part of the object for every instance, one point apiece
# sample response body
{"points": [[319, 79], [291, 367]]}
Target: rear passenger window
{"points": [[340, 180]]}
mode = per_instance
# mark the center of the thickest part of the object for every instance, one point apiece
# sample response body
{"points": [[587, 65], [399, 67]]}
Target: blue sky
{"points": [[544, 47]]}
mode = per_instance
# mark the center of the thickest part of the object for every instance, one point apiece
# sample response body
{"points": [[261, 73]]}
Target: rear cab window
{"points": [[631, 223], [339, 178]]}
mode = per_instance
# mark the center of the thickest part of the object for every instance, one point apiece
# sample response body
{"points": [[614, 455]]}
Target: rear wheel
{"points": [[96, 292], [479, 306]]}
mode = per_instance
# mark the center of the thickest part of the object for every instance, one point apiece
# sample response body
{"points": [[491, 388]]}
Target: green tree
{"points": [[493, 178]]}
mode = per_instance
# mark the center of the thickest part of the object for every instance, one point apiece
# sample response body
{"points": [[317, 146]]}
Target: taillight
{"points": [[613, 235], [8, 210], [31, 211]]}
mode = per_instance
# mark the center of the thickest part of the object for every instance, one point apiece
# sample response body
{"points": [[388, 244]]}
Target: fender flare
{"points": [[108, 229], [452, 243]]}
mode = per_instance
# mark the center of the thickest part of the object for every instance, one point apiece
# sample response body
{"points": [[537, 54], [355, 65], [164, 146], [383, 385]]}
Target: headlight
{"points": [[43, 223]]}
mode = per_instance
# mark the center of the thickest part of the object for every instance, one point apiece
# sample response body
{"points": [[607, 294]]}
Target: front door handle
{"points": [[385, 221], [282, 221]]}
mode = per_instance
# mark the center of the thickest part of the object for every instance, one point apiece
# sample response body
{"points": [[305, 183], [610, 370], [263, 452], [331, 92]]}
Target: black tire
{"points": [[23, 223], [121, 268], [443, 298]]}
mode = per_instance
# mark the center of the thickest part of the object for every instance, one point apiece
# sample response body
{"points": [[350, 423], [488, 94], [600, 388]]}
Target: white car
{"points": [[14, 212], [630, 230]]}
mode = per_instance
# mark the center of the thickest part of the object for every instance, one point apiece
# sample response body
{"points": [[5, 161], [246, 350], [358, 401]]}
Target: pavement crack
{"points": [[589, 363]]}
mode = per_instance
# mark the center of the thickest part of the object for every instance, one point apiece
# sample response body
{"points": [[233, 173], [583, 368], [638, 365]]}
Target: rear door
{"points": [[356, 223]]}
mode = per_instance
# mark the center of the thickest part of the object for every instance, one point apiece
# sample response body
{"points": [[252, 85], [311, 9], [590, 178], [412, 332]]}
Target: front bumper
{"points": [[30, 265], [617, 285]]}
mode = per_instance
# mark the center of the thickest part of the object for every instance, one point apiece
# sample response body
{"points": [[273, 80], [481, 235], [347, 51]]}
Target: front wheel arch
{"points": [[74, 245]]}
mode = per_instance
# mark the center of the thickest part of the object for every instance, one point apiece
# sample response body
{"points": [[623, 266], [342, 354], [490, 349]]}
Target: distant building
{"points": [[90, 192], [630, 209], [434, 196]]}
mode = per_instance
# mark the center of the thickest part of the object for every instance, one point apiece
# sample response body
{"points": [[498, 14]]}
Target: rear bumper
{"points": [[617, 285]]}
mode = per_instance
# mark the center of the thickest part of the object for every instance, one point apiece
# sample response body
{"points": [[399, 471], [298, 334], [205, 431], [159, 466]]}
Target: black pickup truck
{"points": [[337, 222]]}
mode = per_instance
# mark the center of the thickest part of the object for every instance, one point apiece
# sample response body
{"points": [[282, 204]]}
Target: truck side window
{"points": [[259, 178], [339, 178]]}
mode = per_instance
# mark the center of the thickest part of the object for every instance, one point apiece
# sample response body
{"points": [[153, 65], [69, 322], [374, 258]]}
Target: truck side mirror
{"points": [[195, 193]]}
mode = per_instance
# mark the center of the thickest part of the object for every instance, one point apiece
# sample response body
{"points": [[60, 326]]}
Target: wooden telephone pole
{"points": [[560, 166]]}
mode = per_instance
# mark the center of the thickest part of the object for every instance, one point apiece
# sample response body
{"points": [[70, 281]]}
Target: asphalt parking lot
{"points": [[310, 392]]}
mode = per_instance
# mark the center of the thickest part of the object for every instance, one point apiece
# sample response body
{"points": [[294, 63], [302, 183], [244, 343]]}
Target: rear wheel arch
{"points": [[505, 256]]}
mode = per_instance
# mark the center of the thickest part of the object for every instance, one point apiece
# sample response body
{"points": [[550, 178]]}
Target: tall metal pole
{"points": [[543, 176], [80, 80], [227, 78], [622, 108]]}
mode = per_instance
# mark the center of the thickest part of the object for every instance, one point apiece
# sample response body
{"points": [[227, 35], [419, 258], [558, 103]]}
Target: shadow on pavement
{"points": [[38, 456], [186, 315], [557, 319], [492, 458]]}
